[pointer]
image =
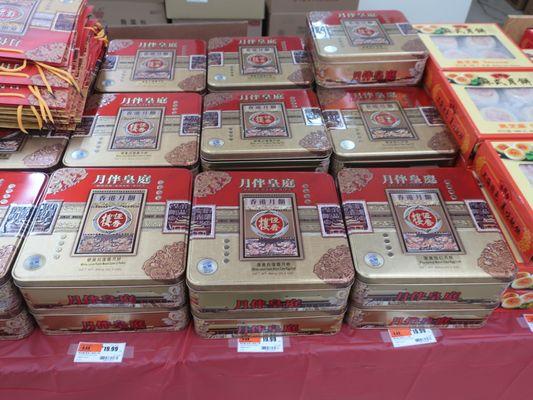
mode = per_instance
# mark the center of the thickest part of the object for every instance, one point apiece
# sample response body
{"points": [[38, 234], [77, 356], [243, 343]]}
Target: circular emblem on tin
{"points": [[385, 118], [10, 13], [219, 77], [259, 59], [207, 266], [112, 220], [347, 145], [330, 49], [108, 82], [216, 142], [269, 224], [365, 31], [138, 128], [34, 262], [79, 154], [154, 63], [422, 219], [263, 119], [374, 260]]}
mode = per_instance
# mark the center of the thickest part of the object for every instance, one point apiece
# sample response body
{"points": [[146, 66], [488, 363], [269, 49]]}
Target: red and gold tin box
{"points": [[423, 238], [162, 65], [484, 105], [264, 129], [108, 237], [258, 62], [138, 130], [17, 326], [267, 241], [384, 127], [360, 48]]}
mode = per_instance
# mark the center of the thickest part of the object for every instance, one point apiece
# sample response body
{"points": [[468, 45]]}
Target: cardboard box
{"points": [[254, 27], [139, 12], [529, 8], [215, 9], [518, 4]]}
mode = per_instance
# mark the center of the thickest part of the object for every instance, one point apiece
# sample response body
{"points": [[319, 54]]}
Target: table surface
{"points": [[493, 362]]}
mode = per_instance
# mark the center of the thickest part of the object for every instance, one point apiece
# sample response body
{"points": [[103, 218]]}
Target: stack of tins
{"points": [[20, 193], [268, 255], [107, 251], [360, 48], [505, 168], [427, 249]]}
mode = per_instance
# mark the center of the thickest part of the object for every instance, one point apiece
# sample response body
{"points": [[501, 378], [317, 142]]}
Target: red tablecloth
{"points": [[495, 362]]}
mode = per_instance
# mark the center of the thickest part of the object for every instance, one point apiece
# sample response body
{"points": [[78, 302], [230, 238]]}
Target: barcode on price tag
{"points": [[266, 344], [403, 337], [529, 321], [90, 352]]}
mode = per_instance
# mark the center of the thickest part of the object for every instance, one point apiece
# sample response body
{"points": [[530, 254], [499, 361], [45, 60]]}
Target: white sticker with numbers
{"points": [[529, 321], [90, 352], [266, 344], [404, 337]]}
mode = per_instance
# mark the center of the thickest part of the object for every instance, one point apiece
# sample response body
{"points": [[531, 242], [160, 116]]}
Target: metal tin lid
{"points": [[265, 125], [385, 123], [267, 230], [112, 226], [162, 65], [358, 36], [258, 62], [422, 225], [464, 46], [19, 150], [138, 129], [19, 193]]}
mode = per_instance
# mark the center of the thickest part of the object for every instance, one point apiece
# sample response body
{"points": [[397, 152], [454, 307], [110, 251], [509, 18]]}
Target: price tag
{"points": [[266, 344], [89, 352], [529, 321], [404, 337]]}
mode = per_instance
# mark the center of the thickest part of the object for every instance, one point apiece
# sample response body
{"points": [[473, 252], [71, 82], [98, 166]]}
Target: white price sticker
{"points": [[404, 337], [89, 352], [529, 321], [266, 344]]}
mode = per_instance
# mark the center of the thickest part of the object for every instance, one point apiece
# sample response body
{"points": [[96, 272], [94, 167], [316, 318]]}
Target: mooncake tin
{"points": [[428, 318], [424, 226], [121, 321], [20, 192], [290, 325], [483, 105], [465, 46], [309, 165], [16, 327], [138, 129], [258, 62], [266, 231], [162, 65], [10, 299], [108, 227], [505, 169], [273, 125], [21, 151], [385, 125], [359, 48]]}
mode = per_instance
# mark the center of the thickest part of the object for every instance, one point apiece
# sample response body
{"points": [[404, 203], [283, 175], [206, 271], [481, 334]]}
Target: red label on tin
{"points": [[365, 31], [269, 224], [385, 118], [113, 220], [422, 218], [8, 13], [258, 59], [154, 63], [138, 128], [264, 119]]}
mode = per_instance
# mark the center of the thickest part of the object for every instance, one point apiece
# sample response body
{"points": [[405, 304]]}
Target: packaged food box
{"points": [[99, 231], [423, 238], [484, 105], [258, 63], [244, 129], [162, 65], [360, 48], [505, 169], [17, 326], [267, 241], [471, 46], [138, 130], [385, 127]]}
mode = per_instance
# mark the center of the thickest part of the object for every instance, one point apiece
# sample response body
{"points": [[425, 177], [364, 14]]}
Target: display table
{"points": [[495, 362]]}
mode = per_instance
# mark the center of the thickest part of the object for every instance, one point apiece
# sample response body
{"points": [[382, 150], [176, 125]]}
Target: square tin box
{"points": [[113, 234], [274, 126], [360, 48], [384, 126], [162, 65], [423, 238], [505, 169], [138, 129], [258, 63], [267, 241], [484, 105]]}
